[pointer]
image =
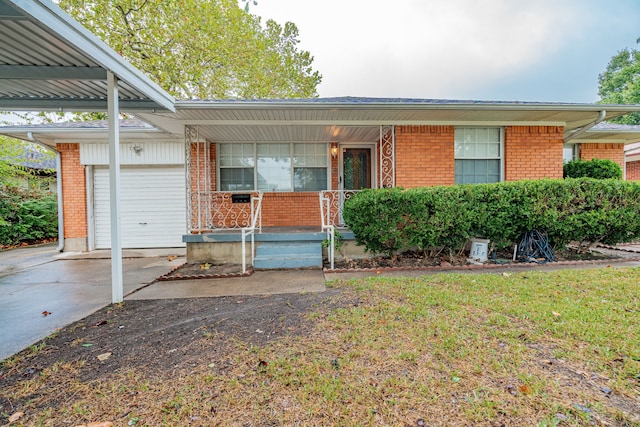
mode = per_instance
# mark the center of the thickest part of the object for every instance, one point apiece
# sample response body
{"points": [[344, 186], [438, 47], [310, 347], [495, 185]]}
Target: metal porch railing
{"points": [[331, 205]]}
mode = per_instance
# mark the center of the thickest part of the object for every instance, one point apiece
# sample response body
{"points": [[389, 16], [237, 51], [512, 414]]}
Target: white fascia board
{"points": [[56, 20], [365, 123], [498, 106]]}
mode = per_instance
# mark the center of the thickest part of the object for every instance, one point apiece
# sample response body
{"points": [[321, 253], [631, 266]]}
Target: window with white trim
{"points": [[570, 152], [273, 167], [478, 155]]}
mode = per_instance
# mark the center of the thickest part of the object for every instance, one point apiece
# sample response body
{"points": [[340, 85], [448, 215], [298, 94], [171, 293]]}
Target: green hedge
{"points": [[594, 168], [391, 220], [27, 216]]}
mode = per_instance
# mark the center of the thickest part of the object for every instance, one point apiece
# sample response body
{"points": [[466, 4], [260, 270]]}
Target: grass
{"points": [[532, 348]]}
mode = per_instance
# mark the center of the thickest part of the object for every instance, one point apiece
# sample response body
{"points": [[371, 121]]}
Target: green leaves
{"points": [[620, 83], [197, 49], [588, 210], [594, 168], [26, 215]]}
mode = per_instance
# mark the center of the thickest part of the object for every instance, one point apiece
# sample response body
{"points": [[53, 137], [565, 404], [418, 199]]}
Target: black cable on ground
{"points": [[534, 247]]}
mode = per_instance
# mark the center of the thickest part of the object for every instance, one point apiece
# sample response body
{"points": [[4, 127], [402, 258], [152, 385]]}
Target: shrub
{"points": [[589, 210], [595, 168], [27, 216]]}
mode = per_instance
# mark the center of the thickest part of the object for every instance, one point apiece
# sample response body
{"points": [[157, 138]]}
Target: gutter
{"points": [[33, 139], [601, 116]]}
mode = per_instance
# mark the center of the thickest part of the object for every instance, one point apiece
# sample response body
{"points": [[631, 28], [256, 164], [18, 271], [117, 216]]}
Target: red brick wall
{"points": [[424, 156], [613, 152], [533, 152], [291, 209], [74, 191], [278, 209], [334, 167], [633, 171]]}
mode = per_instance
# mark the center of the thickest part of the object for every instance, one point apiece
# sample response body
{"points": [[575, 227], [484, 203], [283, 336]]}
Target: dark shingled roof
{"points": [[33, 159], [366, 100]]}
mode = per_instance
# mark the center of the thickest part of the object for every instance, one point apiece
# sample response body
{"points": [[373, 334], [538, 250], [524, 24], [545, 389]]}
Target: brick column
{"points": [[74, 197], [613, 152]]}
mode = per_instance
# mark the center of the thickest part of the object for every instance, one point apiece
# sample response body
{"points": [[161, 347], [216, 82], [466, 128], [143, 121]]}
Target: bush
{"points": [[588, 210], [27, 216], [595, 168]]}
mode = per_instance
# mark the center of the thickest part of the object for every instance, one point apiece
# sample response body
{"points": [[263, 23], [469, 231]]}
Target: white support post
{"points": [[117, 285]]}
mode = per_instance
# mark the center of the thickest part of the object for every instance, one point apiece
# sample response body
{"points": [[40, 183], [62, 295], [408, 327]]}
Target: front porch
{"points": [[258, 198]]}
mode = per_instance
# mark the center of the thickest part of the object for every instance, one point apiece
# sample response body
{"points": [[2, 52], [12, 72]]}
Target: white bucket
{"points": [[479, 249]]}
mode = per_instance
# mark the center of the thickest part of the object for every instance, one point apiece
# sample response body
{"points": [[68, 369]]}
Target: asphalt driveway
{"points": [[42, 290]]}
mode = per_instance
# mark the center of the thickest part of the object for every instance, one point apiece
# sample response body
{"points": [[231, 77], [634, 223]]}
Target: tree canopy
{"points": [[202, 49], [620, 83]]}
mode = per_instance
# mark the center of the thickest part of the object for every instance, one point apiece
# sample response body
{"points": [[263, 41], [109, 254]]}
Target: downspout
{"points": [[583, 129], [32, 138]]}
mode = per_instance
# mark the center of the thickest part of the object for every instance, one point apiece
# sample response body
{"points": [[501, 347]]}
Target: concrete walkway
{"points": [[42, 290]]}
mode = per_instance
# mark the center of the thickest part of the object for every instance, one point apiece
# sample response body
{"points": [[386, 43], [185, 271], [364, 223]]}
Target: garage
{"points": [[153, 213]]}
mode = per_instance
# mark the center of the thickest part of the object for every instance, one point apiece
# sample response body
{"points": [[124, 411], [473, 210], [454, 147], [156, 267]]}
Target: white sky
{"points": [[503, 50]]}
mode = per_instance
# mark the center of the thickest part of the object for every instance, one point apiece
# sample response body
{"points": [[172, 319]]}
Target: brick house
{"points": [[195, 175]]}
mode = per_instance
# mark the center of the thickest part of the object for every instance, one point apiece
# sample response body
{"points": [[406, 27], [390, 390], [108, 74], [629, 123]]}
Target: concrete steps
{"points": [[288, 254]]}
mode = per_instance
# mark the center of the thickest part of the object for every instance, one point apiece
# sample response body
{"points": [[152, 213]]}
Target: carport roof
{"points": [[48, 61]]}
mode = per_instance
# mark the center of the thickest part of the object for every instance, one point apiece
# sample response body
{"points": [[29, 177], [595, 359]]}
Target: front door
{"points": [[356, 168]]}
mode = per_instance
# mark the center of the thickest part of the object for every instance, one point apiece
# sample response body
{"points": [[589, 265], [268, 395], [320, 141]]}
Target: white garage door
{"points": [[152, 204]]}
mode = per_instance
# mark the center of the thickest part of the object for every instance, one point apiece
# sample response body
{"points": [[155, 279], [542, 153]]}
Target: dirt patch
{"points": [[166, 335], [190, 271]]}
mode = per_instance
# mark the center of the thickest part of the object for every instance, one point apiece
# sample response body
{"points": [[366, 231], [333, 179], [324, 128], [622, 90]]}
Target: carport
{"points": [[48, 61]]}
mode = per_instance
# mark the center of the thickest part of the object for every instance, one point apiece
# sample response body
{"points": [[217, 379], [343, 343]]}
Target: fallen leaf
{"points": [[104, 356], [555, 313], [205, 266], [100, 424], [100, 323], [46, 313], [15, 417], [172, 257], [525, 389], [506, 274]]}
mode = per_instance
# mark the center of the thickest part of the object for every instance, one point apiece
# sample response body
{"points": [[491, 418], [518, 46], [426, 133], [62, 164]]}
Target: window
{"points": [[478, 155], [570, 152], [310, 167], [236, 167], [273, 167]]}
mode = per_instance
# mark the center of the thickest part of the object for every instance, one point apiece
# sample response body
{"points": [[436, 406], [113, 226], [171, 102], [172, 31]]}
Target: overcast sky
{"points": [[501, 50]]}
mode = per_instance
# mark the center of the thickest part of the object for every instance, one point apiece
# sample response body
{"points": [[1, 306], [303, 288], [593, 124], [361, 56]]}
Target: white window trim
{"points": [[502, 156]]}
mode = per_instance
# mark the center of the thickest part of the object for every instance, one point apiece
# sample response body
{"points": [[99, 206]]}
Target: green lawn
{"points": [[521, 349]]}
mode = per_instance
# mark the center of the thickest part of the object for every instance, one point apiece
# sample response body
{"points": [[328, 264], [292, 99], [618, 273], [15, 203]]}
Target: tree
{"points": [[202, 49], [620, 83], [12, 174]]}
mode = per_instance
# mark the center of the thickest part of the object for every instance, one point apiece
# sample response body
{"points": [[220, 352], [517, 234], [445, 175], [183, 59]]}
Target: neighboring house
{"points": [[41, 169], [631, 153], [179, 170]]}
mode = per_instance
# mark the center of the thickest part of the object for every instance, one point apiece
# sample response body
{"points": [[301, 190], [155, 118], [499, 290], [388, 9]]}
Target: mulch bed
{"points": [[408, 261]]}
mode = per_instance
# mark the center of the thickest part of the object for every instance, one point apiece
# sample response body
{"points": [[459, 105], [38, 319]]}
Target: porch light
{"points": [[334, 151]]}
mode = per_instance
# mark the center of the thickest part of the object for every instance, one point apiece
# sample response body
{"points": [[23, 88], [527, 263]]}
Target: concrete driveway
{"points": [[42, 290]]}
